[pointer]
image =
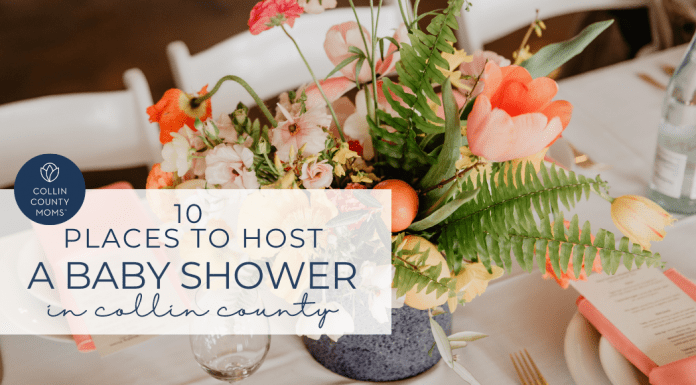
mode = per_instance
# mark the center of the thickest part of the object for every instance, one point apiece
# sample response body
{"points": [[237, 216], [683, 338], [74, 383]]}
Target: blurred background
{"points": [[50, 48]]}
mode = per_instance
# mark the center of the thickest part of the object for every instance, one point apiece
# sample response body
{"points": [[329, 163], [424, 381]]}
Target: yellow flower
{"points": [[522, 55], [473, 281], [360, 178], [467, 160], [338, 170], [455, 60], [535, 159], [287, 181], [343, 154], [640, 219]]}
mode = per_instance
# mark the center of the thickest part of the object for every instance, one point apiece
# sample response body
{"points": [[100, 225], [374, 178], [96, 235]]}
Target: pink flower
{"points": [[356, 126], [227, 131], [338, 40], [316, 175], [514, 116], [225, 164], [245, 180], [476, 66], [299, 130], [343, 36], [272, 13], [316, 6]]}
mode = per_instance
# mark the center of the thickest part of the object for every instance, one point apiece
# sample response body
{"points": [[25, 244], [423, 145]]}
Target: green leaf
{"points": [[555, 55], [445, 166], [342, 64], [355, 50], [367, 199], [442, 342], [442, 213], [347, 218], [464, 374], [466, 336]]}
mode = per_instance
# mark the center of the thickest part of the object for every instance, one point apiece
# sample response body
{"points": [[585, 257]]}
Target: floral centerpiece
{"points": [[460, 139]]}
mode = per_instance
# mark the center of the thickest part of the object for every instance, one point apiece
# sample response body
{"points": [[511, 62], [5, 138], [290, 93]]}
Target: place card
{"points": [[650, 310], [108, 344]]}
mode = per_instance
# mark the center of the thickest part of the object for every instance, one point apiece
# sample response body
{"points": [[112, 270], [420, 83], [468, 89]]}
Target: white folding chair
{"points": [[490, 20], [269, 62], [97, 131]]}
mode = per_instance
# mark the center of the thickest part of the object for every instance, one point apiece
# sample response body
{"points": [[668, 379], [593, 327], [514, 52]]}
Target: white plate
{"points": [[29, 257], [23, 310], [619, 370], [581, 349]]}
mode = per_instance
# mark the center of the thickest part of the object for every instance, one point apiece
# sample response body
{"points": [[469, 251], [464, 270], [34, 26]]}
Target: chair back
{"points": [[490, 20], [269, 62], [97, 131]]}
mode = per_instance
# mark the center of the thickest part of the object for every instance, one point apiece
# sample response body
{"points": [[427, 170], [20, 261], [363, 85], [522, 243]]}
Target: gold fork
{"points": [[527, 370], [582, 160]]}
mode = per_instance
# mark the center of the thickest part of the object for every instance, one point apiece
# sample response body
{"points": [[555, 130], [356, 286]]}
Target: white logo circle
{"points": [[49, 172]]}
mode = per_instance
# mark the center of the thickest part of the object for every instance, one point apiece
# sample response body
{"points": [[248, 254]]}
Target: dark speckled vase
{"points": [[402, 354]]}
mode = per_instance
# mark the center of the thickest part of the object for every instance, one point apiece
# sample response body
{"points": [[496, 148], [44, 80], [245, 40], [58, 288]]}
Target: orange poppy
{"points": [[174, 111]]}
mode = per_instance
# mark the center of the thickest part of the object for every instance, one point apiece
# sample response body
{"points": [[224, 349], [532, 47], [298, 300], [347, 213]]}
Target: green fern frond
{"points": [[418, 72], [562, 244], [503, 218], [411, 272], [511, 201]]}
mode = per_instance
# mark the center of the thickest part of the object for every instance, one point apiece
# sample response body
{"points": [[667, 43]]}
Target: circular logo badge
{"points": [[49, 189]]}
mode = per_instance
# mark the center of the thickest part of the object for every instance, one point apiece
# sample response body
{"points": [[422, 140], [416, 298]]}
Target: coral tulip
{"points": [[345, 35], [338, 41], [514, 116], [640, 219]]}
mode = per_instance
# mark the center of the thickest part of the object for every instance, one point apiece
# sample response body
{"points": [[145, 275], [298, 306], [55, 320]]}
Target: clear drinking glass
{"points": [[232, 353]]}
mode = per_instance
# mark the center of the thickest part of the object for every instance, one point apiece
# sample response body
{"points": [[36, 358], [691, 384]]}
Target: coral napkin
{"points": [[681, 372], [85, 343]]}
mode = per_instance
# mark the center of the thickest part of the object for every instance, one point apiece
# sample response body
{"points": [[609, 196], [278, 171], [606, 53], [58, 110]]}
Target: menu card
{"points": [[648, 308], [107, 344]]}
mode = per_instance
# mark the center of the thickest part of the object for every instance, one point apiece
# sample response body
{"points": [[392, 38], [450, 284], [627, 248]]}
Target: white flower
{"points": [[177, 155], [337, 323], [356, 126], [316, 175], [193, 137], [225, 163], [376, 280]]}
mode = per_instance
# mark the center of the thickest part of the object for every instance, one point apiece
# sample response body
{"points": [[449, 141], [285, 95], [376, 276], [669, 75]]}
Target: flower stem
{"points": [[403, 13], [450, 179], [321, 90], [271, 165], [604, 195], [197, 101], [373, 65], [362, 33], [528, 34]]}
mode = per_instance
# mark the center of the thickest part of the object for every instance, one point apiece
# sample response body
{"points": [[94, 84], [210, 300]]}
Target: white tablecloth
{"points": [[615, 121]]}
